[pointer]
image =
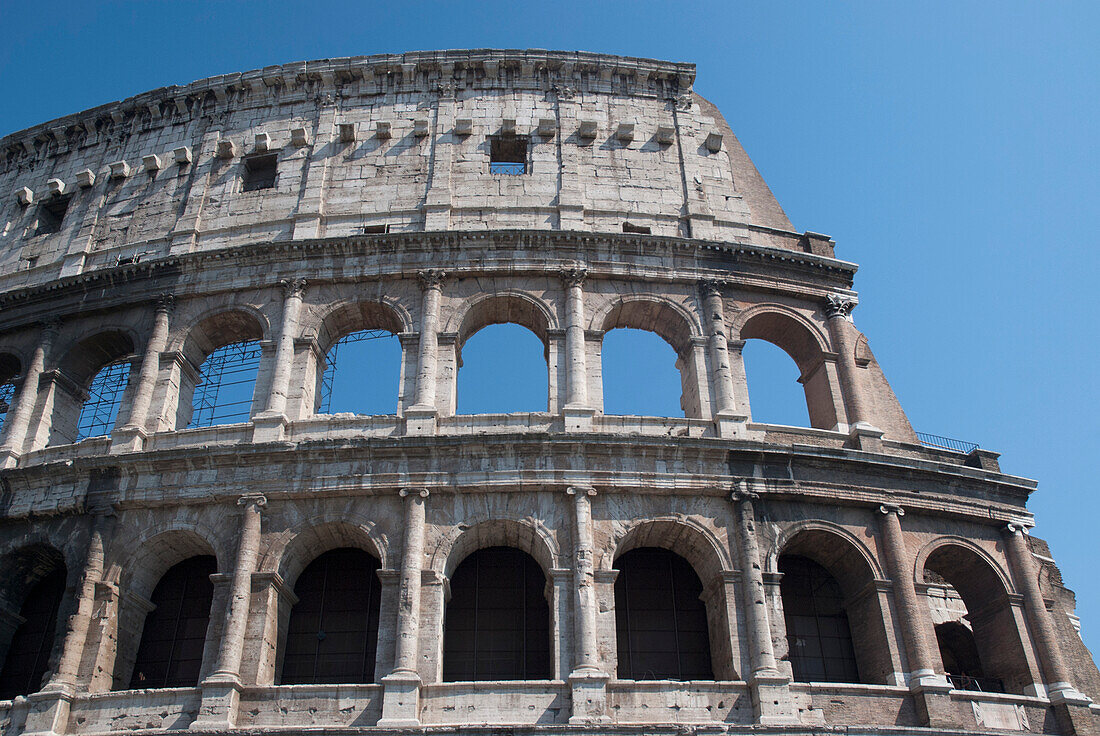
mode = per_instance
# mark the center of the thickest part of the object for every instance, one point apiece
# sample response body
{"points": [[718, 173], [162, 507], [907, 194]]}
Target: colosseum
{"points": [[195, 538]]}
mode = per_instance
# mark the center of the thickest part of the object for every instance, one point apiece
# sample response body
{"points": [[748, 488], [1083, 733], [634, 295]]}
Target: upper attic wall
{"points": [[392, 142]]}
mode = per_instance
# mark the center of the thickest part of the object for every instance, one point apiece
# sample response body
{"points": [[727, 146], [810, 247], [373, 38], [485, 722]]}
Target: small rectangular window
{"points": [[637, 229], [260, 171], [376, 229], [50, 215], [508, 154]]}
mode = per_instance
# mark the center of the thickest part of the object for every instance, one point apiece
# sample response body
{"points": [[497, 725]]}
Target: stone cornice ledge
{"points": [[449, 240]]}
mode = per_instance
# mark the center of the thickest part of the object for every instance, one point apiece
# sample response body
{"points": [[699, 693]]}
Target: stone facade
{"points": [[636, 207]]}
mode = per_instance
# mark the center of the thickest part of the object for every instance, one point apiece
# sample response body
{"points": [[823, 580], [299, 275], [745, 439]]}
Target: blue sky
{"points": [[950, 148]]}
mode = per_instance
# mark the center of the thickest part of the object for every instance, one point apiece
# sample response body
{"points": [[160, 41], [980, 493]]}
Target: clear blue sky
{"points": [[950, 148]]}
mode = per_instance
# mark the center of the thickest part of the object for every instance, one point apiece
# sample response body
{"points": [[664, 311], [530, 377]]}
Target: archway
{"points": [[224, 350], [32, 584]]}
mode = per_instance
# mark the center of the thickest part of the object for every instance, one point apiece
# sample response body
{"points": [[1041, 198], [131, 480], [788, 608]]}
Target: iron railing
{"points": [[946, 443], [977, 684]]}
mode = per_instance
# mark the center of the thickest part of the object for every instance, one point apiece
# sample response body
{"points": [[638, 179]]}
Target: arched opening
{"points": [[361, 372], [332, 636], [835, 628], [174, 635], [806, 350], [773, 378], [654, 391], [226, 350], [664, 321], [9, 382], [819, 639], [497, 622], [100, 410], [33, 587], [660, 618], [979, 642], [961, 662], [502, 368], [88, 389]]}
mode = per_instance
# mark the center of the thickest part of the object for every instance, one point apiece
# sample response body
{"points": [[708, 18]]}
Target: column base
{"points": [[269, 427], [578, 418], [128, 439], [420, 420], [772, 704], [48, 712], [866, 437], [930, 696], [588, 690], [221, 697], [8, 458], [400, 700], [731, 426]]}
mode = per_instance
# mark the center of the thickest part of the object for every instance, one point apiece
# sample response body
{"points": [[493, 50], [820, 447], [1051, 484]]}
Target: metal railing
{"points": [[976, 684], [946, 443]]}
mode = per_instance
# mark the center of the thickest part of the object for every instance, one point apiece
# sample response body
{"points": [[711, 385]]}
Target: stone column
{"points": [[771, 696], [588, 682], [401, 688], [271, 424], [726, 417], [221, 690], [420, 418], [18, 419], [130, 437], [735, 351], [577, 412], [838, 309], [912, 611], [1026, 578], [72, 649]]}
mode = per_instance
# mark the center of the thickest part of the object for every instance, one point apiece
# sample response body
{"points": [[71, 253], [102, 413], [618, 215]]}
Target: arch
{"points": [[799, 338], [350, 315], [502, 307], [158, 549], [32, 584], [676, 326], [528, 535], [332, 629], [498, 619], [82, 365], [293, 549], [683, 535], [963, 569], [11, 366], [218, 327], [850, 563], [707, 557], [857, 546], [671, 321], [11, 369], [661, 622]]}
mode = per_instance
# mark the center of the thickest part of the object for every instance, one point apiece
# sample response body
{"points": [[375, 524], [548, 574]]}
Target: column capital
{"points": [[840, 305], [293, 287], [250, 500], [580, 491], [165, 303], [421, 492], [573, 275], [743, 493], [891, 508], [713, 287], [1014, 528], [50, 327], [431, 278]]}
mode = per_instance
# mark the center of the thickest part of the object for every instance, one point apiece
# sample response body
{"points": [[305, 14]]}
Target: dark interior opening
{"points": [[172, 640], [819, 638], [508, 154], [260, 171], [961, 662], [660, 620], [333, 631], [629, 227], [497, 623], [51, 213], [29, 653]]}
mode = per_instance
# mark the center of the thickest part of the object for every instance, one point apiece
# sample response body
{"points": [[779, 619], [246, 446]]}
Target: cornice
{"points": [[569, 243]]}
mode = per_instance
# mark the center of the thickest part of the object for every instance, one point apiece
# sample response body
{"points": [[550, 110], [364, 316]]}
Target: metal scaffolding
{"points": [[227, 380], [100, 410], [324, 399]]}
